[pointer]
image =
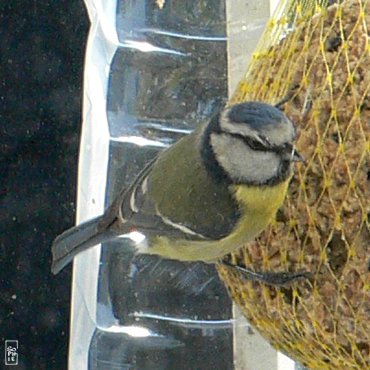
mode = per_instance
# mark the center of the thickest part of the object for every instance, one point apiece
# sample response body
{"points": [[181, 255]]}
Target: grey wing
{"points": [[140, 214]]}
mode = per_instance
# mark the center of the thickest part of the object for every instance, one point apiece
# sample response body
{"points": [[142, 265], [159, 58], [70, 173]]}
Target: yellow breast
{"points": [[258, 205]]}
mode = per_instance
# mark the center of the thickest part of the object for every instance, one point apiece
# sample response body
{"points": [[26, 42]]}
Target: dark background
{"points": [[42, 46]]}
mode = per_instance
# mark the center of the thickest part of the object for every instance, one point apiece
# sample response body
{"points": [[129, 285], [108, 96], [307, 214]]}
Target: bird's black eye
{"points": [[288, 147]]}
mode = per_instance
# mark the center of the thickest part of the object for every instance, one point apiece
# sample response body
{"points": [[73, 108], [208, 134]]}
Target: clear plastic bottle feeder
{"points": [[154, 70]]}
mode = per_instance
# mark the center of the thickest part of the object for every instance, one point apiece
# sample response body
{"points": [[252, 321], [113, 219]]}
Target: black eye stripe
{"points": [[258, 146], [253, 144]]}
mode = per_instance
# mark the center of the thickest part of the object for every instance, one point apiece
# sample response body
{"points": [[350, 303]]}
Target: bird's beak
{"points": [[297, 157]]}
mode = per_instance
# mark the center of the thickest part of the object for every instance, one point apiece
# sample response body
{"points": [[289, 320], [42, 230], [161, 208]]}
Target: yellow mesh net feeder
{"points": [[317, 56]]}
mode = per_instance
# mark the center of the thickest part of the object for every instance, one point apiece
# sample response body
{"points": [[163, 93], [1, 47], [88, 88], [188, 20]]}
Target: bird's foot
{"points": [[270, 278]]}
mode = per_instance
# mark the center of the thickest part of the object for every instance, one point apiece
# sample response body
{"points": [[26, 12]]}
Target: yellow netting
{"points": [[317, 56]]}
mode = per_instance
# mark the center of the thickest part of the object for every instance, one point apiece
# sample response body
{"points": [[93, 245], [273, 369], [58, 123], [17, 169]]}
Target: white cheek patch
{"points": [[242, 163]]}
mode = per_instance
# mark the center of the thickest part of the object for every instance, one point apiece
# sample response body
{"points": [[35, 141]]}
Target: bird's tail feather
{"points": [[76, 240]]}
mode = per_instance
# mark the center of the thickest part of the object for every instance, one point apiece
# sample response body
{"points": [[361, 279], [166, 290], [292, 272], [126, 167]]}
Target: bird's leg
{"points": [[270, 278]]}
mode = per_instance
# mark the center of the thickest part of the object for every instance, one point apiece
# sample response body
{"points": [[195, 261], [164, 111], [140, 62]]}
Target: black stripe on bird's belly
{"points": [[208, 156]]}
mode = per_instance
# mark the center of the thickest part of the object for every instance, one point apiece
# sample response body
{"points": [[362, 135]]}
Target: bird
{"points": [[205, 196]]}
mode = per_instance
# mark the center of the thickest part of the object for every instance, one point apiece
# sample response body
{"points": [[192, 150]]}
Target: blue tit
{"points": [[205, 196]]}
